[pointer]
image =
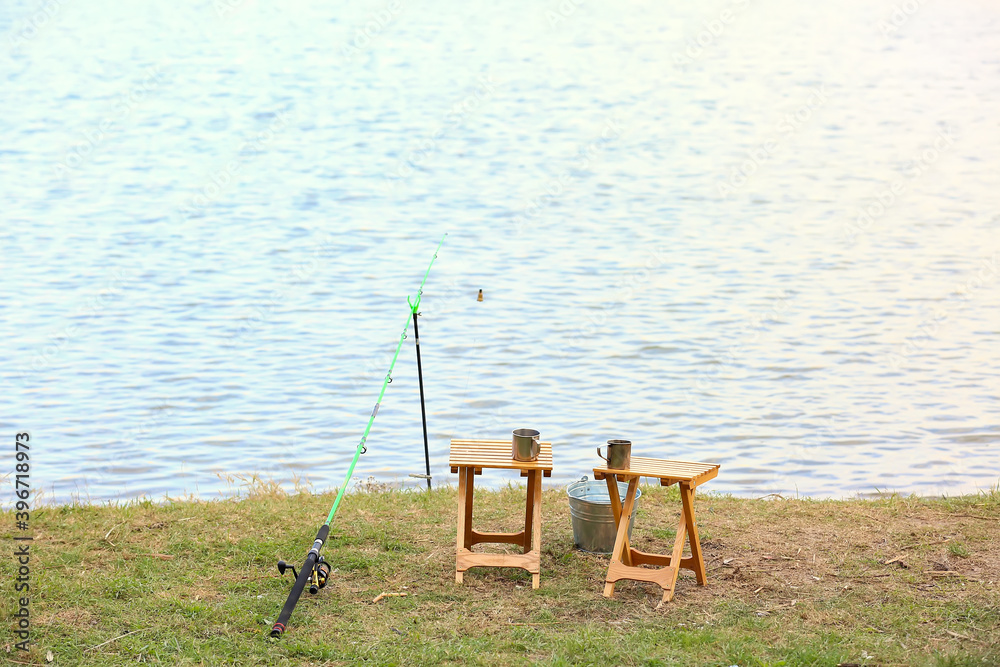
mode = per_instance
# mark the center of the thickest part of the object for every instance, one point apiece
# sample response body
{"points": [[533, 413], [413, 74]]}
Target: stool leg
{"points": [[616, 511], [616, 503], [536, 533], [529, 510], [687, 498], [675, 560], [460, 532], [621, 540], [469, 485], [535, 480]]}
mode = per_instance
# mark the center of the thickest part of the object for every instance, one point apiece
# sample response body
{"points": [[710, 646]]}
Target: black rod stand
{"points": [[423, 412]]}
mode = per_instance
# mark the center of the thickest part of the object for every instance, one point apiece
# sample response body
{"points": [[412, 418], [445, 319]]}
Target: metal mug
{"points": [[619, 454], [525, 446]]}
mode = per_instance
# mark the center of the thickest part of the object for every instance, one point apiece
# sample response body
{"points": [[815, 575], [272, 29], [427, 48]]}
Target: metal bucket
{"points": [[590, 511]]}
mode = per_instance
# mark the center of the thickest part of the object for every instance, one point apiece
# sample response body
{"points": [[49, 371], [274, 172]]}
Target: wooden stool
{"points": [[624, 559], [468, 458]]}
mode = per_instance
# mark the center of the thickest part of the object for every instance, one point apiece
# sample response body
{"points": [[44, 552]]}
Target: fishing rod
{"points": [[315, 570]]}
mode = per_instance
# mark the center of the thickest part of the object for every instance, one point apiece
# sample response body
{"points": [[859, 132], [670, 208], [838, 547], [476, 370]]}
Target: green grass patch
{"points": [[891, 581]]}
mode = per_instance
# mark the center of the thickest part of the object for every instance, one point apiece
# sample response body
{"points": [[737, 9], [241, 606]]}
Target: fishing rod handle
{"points": [[305, 574]]}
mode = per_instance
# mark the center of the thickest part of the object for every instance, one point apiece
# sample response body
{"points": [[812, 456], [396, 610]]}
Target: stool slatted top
{"points": [[668, 472], [496, 454]]}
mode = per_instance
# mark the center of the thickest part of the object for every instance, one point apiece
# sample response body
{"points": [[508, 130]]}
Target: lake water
{"points": [[759, 233]]}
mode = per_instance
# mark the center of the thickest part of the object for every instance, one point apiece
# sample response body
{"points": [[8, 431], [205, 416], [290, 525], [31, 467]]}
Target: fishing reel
{"points": [[318, 577]]}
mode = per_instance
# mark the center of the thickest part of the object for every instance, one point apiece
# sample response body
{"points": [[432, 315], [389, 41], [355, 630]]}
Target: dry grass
{"points": [[896, 581]]}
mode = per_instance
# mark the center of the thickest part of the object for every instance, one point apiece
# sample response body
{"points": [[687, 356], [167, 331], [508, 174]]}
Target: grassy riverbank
{"points": [[897, 581]]}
